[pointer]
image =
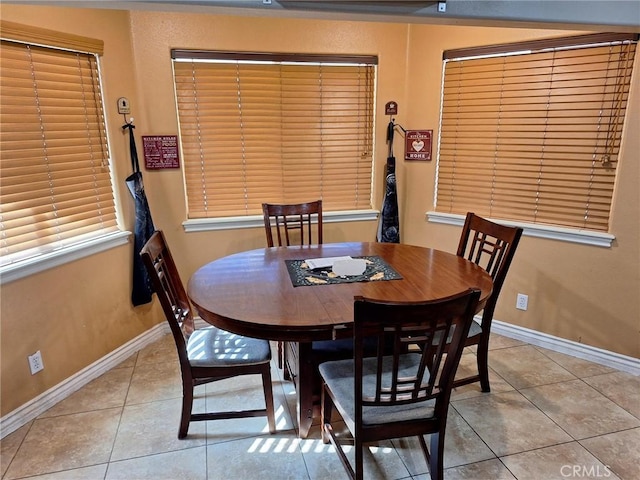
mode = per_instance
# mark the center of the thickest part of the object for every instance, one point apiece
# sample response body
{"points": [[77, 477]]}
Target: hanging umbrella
{"points": [[142, 290], [389, 226]]}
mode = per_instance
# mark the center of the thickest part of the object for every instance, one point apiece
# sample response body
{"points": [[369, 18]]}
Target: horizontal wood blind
{"points": [[274, 132], [55, 185], [534, 136]]}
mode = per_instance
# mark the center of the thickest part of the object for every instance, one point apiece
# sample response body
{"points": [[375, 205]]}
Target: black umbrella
{"points": [[389, 226], [142, 290]]}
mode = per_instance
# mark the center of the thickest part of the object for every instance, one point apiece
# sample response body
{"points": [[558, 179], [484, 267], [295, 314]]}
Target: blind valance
{"points": [[51, 38]]}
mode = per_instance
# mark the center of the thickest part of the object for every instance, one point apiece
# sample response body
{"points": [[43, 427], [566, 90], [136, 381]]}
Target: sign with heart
{"points": [[418, 145]]}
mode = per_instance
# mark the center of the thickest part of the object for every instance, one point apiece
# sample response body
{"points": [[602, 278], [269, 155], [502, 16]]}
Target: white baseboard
{"points": [[30, 410], [568, 347]]}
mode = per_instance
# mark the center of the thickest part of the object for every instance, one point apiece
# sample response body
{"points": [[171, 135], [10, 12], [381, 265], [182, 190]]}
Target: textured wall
{"points": [[77, 313]]}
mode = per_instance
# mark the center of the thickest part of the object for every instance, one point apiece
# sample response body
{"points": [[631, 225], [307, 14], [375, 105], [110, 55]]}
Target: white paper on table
{"points": [[326, 262], [349, 267]]}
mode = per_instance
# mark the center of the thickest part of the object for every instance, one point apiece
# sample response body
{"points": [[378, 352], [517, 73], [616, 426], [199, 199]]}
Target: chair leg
{"points": [[187, 405], [359, 453], [325, 414], [268, 398], [282, 359], [326, 428], [436, 459], [483, 365]]}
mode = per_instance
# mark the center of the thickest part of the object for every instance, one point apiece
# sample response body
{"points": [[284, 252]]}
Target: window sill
{"points": [[585, 237], [15, 271], [255, 221]]}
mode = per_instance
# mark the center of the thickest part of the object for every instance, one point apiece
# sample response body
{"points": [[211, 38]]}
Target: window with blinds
{"points": [[55, 184], [260, 128], [531, 132]]}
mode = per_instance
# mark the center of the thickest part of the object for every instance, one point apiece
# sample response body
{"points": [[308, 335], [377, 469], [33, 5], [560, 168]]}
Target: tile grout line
{"points": [[124, 403]]}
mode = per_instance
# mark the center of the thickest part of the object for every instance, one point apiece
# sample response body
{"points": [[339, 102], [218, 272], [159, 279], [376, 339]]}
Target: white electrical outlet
{"points": [[35, 362], [522, 301], [442, 7]]}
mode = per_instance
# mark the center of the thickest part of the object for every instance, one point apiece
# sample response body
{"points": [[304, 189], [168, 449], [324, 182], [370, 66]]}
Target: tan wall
{"points": [[77, 313], [586, 294], [157, 33], [582, 293]]}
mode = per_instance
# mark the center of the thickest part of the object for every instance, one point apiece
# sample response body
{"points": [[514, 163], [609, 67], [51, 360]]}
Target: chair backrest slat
{"points": [[491, 246], [412, 360], [298, 219], [170, 290]]}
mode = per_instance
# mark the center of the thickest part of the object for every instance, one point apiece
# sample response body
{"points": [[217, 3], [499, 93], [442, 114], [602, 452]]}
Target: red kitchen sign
{"points": [[418, 145], [160, 151]]}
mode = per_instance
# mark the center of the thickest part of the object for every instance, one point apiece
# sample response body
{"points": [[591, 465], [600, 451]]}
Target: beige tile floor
{"points": [[548, 416]]}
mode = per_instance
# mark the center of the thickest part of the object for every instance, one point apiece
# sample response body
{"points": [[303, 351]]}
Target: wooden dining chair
{"points": [[403, 392], [492, 247], [279, 221], [207, 354], [292, 223]]}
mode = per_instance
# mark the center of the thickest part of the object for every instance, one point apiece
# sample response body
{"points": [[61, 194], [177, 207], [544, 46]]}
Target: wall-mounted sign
{"points": [[391, 108], [418, 145], [160, 151]]}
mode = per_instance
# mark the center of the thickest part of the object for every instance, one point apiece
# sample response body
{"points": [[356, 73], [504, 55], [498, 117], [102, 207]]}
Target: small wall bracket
{"points": [[123, 106]]}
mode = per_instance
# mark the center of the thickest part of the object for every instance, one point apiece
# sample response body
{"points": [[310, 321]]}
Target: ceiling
{"points": [[598, 15]]}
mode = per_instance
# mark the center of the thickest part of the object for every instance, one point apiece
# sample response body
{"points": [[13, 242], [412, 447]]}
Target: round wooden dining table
{"points": [[252, 293]]}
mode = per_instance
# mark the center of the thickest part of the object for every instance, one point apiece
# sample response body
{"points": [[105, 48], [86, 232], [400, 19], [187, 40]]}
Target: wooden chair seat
{"points": [[339, 377], [330, 350], [213, 347]]}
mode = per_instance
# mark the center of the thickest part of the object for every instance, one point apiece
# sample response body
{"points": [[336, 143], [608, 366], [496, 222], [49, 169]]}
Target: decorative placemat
{"points": [[377, 269]]}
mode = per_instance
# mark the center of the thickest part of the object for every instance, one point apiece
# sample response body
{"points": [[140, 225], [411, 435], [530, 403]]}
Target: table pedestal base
{"points": [[297, 362]]}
